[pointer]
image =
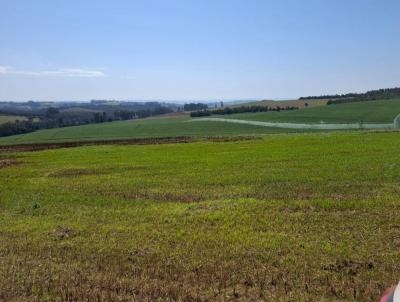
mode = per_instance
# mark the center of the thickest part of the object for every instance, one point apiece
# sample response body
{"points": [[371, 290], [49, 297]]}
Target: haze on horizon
{"points": [[203, 50]]}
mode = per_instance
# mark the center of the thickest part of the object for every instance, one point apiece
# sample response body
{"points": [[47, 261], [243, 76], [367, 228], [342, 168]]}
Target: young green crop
{"points": [[382, 111], [288, 217], [161, 127]]}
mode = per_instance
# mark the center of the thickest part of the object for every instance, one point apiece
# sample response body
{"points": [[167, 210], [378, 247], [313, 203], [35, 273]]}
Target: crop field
{"points": [[144, 128], [284, 103], [288, 217], [10, 118], [383, 111]]}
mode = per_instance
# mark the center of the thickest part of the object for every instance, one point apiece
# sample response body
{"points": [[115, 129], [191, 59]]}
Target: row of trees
{"points": [[194, 107], [53, 118], [379, 94], [241, 109], [21, 127]]}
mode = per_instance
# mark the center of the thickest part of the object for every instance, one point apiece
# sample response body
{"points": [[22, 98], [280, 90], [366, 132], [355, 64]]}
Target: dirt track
{"points": [[136, 141]]}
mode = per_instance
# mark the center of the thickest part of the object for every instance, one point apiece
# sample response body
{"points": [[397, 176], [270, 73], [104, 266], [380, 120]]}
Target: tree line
{"points": [[241, 109], [386, 93], [53, 118], [194, 107]]}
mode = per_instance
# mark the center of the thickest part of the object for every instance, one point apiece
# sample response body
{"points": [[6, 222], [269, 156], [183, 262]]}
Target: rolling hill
{"points": [[290, 103], [172, 126], [152, 127], [383, 111]]}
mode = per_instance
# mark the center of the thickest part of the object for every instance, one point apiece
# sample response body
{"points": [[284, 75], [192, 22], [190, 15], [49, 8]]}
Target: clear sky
{"points": [[202, 50]]}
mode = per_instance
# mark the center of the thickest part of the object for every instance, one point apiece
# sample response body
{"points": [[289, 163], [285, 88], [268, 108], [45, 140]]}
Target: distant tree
{"points": [[379, 94], [242, 109], [199, 113], [194, 107], [98, 117], [52, 112]]}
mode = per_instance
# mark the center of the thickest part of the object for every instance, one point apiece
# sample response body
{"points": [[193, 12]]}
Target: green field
{"points": [[284, 103], [368, 112], [161, 127], [10, 118], [383, 111], [297, 217]]}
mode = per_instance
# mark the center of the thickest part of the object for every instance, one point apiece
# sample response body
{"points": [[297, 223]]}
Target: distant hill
{"points": [[285, 103], [382, 111], [169, 126], [386, 93], [322, 100]]}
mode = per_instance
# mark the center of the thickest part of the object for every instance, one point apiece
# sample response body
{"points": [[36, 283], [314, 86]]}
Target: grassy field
{"points": [[310, 217], [10, 118], [160, 127], [296, 103], [368, 112], [383, 111]]}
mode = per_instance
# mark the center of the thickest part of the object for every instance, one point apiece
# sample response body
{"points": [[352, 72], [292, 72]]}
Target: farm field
{"points": [[383, 111], [143, 128], [173, 126], [10, 118], [284, 103], [296, 217]]}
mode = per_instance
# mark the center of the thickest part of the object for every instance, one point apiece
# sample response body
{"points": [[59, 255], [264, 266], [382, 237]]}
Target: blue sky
{"points": [[201, 50]]}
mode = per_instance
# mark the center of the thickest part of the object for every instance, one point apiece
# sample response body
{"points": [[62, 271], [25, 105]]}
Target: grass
{"points": [[285, 218], [10, 118], [383, 111], [284, 103], [368, 112], [161, 127]]}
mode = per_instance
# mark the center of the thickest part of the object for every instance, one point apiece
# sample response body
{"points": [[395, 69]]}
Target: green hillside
{"points": [[162, 127], [383, 111], [368, 112], [284, 103]]}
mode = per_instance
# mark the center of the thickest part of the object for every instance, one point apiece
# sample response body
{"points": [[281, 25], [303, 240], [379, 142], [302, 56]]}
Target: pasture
{"points": [[382, 111], [296, 103], [143, 128], [294, 217]]}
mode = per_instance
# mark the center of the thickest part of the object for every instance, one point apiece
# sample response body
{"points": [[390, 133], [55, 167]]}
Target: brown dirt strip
{"points": [[4, 163], [136, 141]]}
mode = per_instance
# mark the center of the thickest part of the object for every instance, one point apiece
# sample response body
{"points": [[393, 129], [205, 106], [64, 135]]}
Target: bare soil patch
{"points": [[8, 162], [61, 233], [349, 267], [138, 141], [135, 141], [75, 173], [222, 139]]}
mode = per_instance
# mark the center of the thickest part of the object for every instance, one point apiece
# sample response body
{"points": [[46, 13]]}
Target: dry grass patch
{"points": [[75, 172], [8, 162]]}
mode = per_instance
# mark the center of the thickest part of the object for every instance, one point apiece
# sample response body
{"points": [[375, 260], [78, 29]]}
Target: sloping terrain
{"points": [[383, 111], [143, 128], [290, 103], [178, 125], [286, 218]]}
